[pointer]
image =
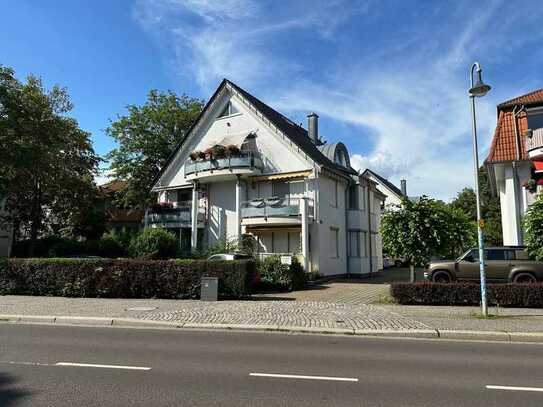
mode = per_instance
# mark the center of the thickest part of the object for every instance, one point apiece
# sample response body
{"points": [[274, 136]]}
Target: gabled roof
{"points": [[385, 182], [535, 97], [295, 133], [112, 186], [504, 142]]}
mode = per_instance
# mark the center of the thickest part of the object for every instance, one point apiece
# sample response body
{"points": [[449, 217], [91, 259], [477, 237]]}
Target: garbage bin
{"points": [[209, 289]]}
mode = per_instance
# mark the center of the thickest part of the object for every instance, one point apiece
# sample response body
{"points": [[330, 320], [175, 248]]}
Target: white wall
{"points": [[222, 221]]}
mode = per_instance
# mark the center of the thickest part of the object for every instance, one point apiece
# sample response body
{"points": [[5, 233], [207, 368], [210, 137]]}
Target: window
{"points": [[353, 196], [280, 189], [499, 254], [354, 243], [535, 118], [333, 193], [228, 110], [334, 243]]}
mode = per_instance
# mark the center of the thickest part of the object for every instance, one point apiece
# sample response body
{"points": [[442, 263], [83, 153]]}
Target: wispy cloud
{"points": [[399, 79]]}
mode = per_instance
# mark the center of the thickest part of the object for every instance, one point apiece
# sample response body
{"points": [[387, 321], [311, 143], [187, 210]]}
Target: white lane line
{"points": [[293, 376], [513, 388], [102, 366]]}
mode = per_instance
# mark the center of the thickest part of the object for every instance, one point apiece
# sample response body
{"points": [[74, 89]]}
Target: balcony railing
{"points": [[534, 142], [176, 216], [270, 207], [246, 160]]}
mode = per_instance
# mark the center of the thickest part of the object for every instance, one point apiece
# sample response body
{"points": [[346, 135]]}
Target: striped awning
{"points": [[282, 176], [236, 139]]}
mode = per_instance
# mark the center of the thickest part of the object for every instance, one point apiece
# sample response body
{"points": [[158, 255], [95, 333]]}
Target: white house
{"points": [[244, 168], [393, 194], [515, 160]]}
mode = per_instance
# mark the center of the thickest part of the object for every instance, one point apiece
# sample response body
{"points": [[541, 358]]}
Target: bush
{"points": [[154, 243], [275, 275], [123, 278], [111, 246], [504, 295], [533, 223]]}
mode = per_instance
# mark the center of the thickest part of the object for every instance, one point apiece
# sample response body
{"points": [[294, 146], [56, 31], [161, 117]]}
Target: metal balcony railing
{"points": [[179, 213], [250, 160], [270, 207]]}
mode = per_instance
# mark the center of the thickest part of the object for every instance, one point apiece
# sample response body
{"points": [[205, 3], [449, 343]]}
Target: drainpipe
{"points": [[347, 228], [516, 113], [369, 230]]}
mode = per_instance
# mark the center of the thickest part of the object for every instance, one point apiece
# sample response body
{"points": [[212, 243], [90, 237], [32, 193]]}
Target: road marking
{"points": [[102, 366], [293, 376], [514, 388]]}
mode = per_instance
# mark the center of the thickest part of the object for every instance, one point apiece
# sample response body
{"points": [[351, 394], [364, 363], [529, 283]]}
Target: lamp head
{"points": [[479, 88]]}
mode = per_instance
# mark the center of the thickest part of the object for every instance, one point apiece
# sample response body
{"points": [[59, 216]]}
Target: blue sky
{"points": [[388, 78]]}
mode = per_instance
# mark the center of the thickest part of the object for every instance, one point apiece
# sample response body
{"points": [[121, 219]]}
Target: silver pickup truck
{"points": [[502, 264]]}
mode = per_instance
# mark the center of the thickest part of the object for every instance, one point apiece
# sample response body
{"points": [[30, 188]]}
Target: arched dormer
{"points": [[337, 153]]}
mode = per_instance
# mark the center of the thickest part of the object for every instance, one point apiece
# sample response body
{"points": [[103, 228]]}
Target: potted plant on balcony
{"points": [[197, 155], [530, 185], [219, 151], [208, 153], [158, 207], [232, 150]]}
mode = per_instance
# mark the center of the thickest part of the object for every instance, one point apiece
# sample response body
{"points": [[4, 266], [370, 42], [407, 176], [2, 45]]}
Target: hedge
{"points": [[504, 295], [123, 278]]}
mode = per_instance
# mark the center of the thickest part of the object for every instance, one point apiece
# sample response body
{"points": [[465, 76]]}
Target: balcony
{"points": [[177, 215], [534, 143], [273, 210], [242, 163]]}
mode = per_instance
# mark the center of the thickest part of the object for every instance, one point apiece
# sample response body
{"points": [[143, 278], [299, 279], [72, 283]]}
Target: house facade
{"points": [[118, 220], [394, 195], [515, 160], [244, 168]]}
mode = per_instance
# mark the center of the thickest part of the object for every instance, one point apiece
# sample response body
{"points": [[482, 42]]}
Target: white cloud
{"points": [[409, 97]]}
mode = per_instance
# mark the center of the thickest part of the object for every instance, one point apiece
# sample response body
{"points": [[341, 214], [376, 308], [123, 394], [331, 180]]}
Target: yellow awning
{"points": [[284, 175]]}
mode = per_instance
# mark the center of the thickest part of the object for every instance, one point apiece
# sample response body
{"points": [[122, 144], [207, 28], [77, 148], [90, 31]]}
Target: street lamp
{"points": [[478, 89]]}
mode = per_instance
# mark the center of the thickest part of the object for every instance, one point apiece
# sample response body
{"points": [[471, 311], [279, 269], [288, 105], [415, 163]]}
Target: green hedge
{"points": [[123, 278], [504, 295]]}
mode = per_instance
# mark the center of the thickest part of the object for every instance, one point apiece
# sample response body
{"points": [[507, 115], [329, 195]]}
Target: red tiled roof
{"points": [[112, 186], [531, 98], [504, 144]]}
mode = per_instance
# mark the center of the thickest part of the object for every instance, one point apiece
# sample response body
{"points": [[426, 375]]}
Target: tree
{"points": [[490, 208], [423, 229], [146, 138], [48, 163], [533, 224]]}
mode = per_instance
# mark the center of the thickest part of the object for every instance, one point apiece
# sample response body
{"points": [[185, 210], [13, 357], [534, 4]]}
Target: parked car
{"points": [[392, 261], [229, 257], [502, 264]]}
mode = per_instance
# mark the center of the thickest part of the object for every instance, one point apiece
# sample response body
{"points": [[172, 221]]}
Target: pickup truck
{"points": [[502, 264]]}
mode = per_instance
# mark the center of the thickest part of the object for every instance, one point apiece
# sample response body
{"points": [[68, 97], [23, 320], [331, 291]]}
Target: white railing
{"points": [[534, 139]]}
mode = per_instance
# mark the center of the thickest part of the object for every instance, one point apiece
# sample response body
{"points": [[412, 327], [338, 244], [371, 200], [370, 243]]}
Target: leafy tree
{"points": [[48, 162], [423, 229], [533, 224], [490, 208], [146, 138]]}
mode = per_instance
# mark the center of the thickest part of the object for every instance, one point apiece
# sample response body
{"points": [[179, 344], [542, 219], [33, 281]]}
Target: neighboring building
{"points": [[393, 194], [245, 168], [6, 234], [119, 220], [515, 160]]}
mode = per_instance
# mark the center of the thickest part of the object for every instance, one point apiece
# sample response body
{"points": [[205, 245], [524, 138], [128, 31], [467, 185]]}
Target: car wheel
{"points": [[441, 277], [524, 278], [398, 263]]}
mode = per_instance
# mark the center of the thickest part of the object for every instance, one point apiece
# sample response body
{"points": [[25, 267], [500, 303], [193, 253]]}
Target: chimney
{"points": [[403, 187], [313, 127]]}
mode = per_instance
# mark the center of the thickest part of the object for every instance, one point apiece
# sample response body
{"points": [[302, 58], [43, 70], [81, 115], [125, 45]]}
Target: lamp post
{"points": [[478, 89]]}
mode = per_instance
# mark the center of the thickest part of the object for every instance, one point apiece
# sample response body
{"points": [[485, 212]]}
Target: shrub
{"points": [[533, 223], [275, 275], [154, 243], [123, 278], [111, 245], [505, 295]]}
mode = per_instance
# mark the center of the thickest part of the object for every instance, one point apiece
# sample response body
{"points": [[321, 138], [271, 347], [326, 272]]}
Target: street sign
{"points": [[286, 260]]}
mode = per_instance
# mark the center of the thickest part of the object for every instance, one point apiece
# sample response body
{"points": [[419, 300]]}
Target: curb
{"points": [[500, 336]]}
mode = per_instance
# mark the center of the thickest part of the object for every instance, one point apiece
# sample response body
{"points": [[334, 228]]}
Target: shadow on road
{"points": [[9, 396]]}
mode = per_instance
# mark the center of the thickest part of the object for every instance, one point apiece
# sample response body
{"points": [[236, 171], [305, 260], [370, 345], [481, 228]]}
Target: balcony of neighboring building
{"points": [[232, 155], [534, 143], [172, 215]]}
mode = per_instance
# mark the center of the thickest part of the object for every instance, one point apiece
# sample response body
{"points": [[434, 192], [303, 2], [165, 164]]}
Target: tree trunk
{"points": [[412, 276]]}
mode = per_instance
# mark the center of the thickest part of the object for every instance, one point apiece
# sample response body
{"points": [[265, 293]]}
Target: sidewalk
{"points": [[280, 314]]}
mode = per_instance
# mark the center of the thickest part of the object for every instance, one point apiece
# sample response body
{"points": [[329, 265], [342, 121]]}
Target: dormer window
{"points": [[228, 110], [340, 158]]}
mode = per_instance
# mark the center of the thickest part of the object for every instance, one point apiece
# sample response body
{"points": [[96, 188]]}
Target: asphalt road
{"points": [[211, 368]]}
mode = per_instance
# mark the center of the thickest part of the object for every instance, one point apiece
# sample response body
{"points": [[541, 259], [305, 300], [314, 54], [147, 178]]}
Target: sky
{"points": [[388, 78]]}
